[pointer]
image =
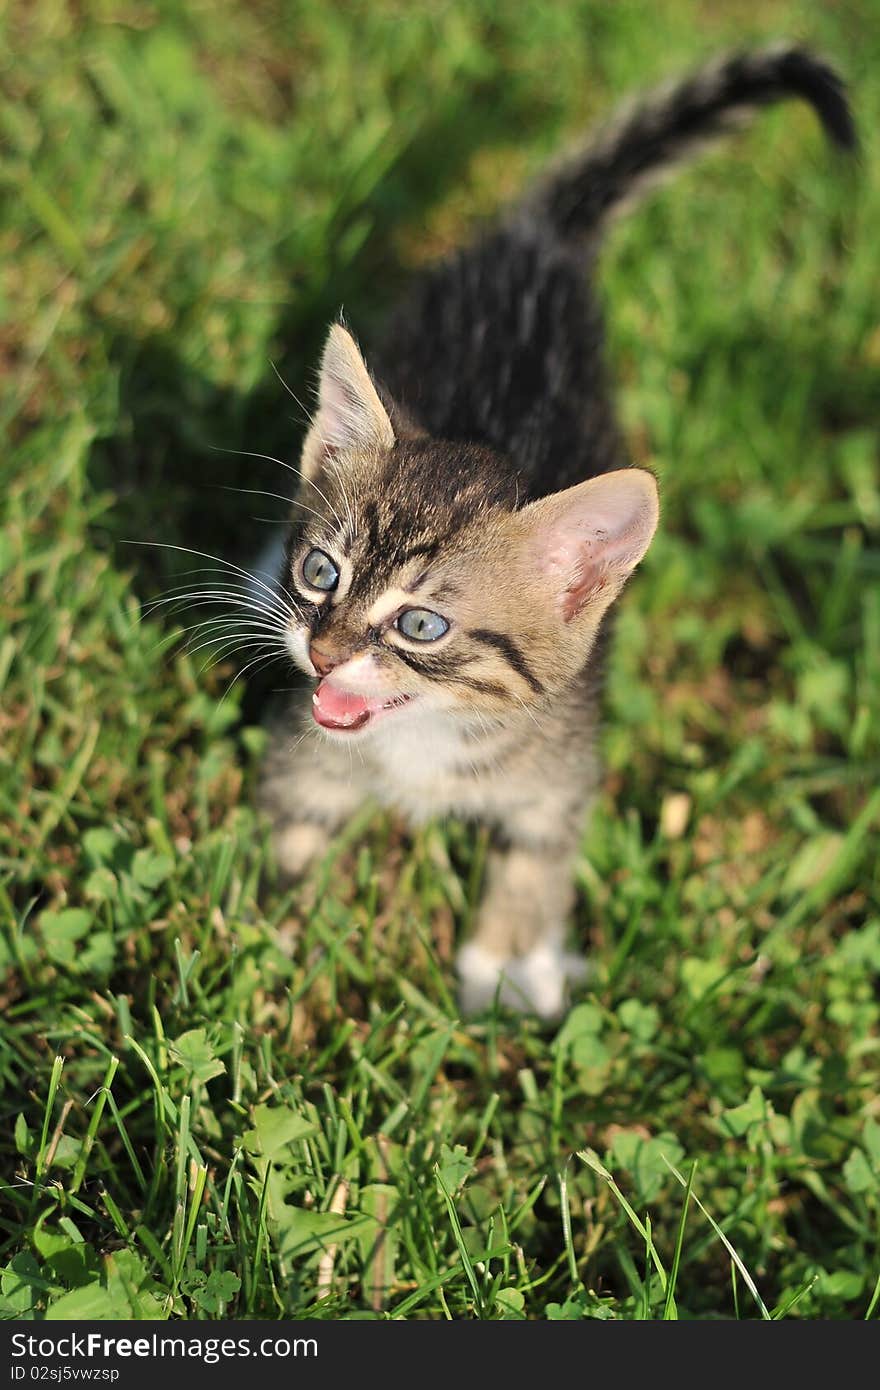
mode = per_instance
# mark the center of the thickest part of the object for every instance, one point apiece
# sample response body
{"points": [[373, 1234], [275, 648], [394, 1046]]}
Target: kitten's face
{"points": [[407, 594], [418, 584]]}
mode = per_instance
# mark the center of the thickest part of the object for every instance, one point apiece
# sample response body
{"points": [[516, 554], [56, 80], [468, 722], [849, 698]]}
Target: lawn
{"points": [[221, 1098]]}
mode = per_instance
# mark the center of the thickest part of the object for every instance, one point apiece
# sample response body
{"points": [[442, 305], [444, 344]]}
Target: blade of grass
{"points": [[749, 1281], [54, 1079], [459, 1241], [593, 1161], [782, 1308], [566, 1226], [669, 1309], [100, 1100]]}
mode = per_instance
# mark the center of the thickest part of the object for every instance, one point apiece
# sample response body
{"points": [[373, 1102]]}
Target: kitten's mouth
{"points": [[342, 710]]}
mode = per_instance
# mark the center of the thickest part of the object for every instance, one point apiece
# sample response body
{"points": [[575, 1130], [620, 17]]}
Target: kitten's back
{"points": [[501, 343]]}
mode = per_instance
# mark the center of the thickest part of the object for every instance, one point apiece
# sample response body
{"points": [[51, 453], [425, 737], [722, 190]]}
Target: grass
{"points": [[201, 1119]]}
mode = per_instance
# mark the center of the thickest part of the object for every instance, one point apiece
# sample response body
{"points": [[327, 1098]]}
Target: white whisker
{"points": [[245, 633], [197, 598], [224, 583], [251, 630], [216, 659], [206, 555], [294, 397], [258, 661], [260, 492], [270, 458], [239, 637], [242, 636], [538, 725]]}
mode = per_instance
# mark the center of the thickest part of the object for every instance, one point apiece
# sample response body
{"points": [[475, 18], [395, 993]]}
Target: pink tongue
{"points": [[338, 709]]}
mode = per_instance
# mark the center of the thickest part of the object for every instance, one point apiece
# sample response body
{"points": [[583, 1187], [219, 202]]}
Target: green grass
{"points": [[204, 1117]]}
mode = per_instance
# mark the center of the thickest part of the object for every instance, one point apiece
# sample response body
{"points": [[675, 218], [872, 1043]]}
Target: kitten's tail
{"points": [[648, 139]]}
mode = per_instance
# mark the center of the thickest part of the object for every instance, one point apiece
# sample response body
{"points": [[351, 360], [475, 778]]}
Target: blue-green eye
{"points": [[421, 625], [320, 571]]}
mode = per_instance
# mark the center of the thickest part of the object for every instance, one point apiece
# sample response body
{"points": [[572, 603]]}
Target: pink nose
{"points": [[322, 659]]}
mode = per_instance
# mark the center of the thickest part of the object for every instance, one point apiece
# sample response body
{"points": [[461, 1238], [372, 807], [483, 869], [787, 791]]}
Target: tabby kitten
{"points": [[466, 522]]}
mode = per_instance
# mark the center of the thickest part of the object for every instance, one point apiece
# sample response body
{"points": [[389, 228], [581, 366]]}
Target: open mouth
{"points": [[344, 711]]}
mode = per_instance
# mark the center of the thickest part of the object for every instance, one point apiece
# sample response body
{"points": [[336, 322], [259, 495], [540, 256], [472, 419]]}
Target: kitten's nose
{"points": [[322, 658]]}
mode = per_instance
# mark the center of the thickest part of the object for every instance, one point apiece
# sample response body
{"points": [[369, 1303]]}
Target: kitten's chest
{"points": [[429, 768]]}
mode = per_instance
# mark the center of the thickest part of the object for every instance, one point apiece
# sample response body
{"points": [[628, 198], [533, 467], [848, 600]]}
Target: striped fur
{"points": [[651, 136], [481, 476]]}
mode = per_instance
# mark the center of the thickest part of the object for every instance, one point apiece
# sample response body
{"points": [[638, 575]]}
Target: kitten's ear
{"points": [[350, 414], [587, 540]]}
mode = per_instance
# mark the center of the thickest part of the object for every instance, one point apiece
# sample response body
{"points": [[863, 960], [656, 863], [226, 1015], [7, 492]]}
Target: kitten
{"points": [[466, 522]]}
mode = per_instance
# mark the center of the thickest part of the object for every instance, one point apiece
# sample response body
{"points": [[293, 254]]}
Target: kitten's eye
{"points": [[421, 625], [319, 571]]}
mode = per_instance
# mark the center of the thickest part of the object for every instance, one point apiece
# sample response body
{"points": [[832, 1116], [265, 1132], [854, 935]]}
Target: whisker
{"points": [[223, 589], [240, 624], [337, 474], [222, 582], [195, 598], [260, 660], [529, 712], [238, 637], [224, 646], [310, 730], [305, 410], [211, 661], [260, 492], [252, 633], [231, 611], [270, 458], [205, 555]]}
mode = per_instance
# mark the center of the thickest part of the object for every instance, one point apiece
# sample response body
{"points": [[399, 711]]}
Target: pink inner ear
{"points": [[596, 534], [350, 413], [590, 582], [575, 566], [338, 416]]}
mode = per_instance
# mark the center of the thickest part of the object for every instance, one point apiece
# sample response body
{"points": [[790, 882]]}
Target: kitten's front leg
{"points": [[310, 787], [517, 950]]}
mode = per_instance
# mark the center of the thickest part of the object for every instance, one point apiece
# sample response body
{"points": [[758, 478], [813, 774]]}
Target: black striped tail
{"points": [[648, 139]]}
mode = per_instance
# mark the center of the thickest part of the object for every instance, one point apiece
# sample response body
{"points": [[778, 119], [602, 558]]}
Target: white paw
{"points": [[539, 980], [535, 983], [478, 975], [296, 846]]}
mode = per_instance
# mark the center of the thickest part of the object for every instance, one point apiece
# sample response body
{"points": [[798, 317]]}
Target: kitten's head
{"points": [[419, 581]]}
